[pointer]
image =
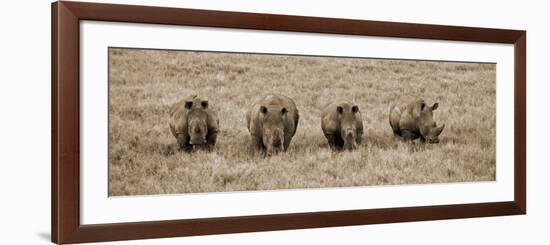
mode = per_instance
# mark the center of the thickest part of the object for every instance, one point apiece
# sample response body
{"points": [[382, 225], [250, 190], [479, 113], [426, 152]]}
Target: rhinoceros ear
{"points": [[435, 106], [284, 111], [188, 104], [339, 109], [204, 104], [355, 109], [263, 109]]}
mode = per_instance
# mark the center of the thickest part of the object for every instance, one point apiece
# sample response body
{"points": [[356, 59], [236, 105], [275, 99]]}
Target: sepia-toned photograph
{"points": [[197, 121]]}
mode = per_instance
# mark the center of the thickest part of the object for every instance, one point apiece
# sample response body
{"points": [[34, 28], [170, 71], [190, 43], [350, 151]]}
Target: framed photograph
{"points": [[177, 122]]}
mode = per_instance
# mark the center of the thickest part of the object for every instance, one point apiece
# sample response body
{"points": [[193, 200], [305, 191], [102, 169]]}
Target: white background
{"points": [[25, 110]]}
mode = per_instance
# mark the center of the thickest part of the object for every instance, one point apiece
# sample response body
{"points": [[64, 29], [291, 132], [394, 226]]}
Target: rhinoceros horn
{"points": [[439, 129]]}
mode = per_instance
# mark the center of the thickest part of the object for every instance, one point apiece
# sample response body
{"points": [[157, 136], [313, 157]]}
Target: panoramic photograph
{"points": [[197, 122]]}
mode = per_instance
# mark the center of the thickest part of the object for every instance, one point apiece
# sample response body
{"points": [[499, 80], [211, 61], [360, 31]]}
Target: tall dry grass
{"points": [[143, 155]]}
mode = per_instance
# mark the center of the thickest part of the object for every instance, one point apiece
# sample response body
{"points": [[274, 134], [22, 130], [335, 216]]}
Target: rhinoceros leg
{"points": [[211, 139], [330, 140], [359, 138], [335, 141], [257, 143], [183, 142]]}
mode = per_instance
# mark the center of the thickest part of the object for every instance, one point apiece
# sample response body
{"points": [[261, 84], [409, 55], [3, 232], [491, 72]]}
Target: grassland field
{"points": [[144, 158]]}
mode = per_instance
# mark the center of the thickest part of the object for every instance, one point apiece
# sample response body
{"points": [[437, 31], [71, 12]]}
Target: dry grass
{"points": [[143, 156]]}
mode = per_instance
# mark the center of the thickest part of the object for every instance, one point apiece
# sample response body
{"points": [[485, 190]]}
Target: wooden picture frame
{"points": [[65, 169]]}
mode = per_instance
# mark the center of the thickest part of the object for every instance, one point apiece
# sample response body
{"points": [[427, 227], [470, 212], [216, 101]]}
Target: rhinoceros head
{"points": [[273, 128], [197, 121], [429, 130], [348, 126]]}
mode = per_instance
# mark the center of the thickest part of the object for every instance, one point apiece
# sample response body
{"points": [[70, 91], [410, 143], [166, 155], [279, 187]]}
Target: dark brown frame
{"points": [[65, 175]]}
